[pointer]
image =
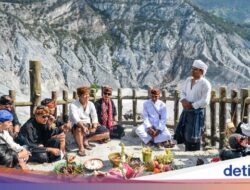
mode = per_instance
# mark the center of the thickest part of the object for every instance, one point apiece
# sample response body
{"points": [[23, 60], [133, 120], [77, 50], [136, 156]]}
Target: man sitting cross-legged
{"points": [[11, 153], [85, 123], [37, 135], [59, 122], [154, 121]]}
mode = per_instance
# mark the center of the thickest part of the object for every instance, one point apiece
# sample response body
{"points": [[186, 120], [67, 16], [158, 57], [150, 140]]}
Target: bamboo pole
{"points": [[134, 107], [213, 117], [119, 104], [222, 116], [244, 108], [35, 84], [176, 107], [234, 107]]}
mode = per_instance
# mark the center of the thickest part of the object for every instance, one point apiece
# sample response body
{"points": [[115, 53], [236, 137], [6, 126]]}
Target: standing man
{"points": [[154, 121], [195, 96]]}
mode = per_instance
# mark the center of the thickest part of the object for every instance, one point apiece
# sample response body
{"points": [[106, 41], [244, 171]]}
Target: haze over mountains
{"points": [[232, 10], [123, 43]]}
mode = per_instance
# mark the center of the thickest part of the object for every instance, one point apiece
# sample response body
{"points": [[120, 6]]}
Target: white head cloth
{"points": [[245, 128], [200, 65]]}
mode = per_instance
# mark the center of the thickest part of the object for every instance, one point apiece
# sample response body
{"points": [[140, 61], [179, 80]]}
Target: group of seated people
{"points": [[238, 143], [42, 138]]}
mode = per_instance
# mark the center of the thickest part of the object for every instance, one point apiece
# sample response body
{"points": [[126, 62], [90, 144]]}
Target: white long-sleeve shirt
{"points": [[77, 113], [6, 139], [200, 93], [151, 117]]}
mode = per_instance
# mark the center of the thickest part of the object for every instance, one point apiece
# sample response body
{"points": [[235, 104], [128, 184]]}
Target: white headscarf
{"points": [[245, 128], [200, 65]]}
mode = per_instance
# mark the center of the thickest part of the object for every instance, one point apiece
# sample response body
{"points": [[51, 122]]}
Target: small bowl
{"points": [[135, 162], [93, 164]]}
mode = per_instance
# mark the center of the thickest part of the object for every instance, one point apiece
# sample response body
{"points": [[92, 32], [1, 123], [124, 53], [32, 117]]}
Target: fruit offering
{"points": [[166, 158], [69, 169]]}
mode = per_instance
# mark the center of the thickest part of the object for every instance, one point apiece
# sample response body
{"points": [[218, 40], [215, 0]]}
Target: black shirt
{"points": [[32, 133], [15, 120]]}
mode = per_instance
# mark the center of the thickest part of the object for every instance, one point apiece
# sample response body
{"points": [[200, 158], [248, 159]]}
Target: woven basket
{"points": [[115, 158]]}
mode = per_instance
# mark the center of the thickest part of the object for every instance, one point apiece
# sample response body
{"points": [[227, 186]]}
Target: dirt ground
{"points": [[133, 147]]}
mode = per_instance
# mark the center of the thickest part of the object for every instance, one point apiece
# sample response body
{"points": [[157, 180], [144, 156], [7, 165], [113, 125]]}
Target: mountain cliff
{"points": [[123, 43]]}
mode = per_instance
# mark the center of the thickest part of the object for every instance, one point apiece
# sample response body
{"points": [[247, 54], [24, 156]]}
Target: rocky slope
{"points": [[123, 43]]}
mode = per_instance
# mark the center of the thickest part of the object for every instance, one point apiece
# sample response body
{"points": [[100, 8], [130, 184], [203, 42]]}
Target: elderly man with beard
{"points": [[154, 121], [195, 96]]}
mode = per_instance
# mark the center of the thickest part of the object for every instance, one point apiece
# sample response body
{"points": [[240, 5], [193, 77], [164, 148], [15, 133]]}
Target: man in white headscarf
{"points": [[195, 96]]}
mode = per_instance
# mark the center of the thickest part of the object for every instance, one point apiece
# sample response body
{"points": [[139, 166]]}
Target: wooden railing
{"points": [[222, 101]]}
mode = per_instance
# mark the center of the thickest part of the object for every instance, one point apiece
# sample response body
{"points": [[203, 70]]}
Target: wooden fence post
{"points": [[93, 93], [74, 95], [222, 116], [244, 108], [134, 107], [65, 105], [164, 96], [54, 97], [234, 107], [35, 84], [12, 94], [213, 117], [176, 107], [119, 105]]}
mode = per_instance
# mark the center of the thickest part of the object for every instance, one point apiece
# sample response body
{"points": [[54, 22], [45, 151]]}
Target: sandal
{"points": [[92, 145], [81, 153], [106, 140], [157, 145], [168, 144], [87, 146], [171, 144]]}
